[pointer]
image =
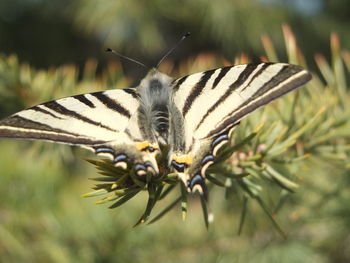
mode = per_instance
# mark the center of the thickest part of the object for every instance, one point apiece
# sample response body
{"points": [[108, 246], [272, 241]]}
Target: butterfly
{"points": [[188, 118]]}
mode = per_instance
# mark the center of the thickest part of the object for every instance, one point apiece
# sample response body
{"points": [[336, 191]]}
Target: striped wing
{"points": [[87, 119], [213, 102], [103, 122]]}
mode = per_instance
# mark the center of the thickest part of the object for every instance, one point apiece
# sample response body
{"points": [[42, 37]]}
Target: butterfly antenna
{"points": [[173, 48], [125, 57]]}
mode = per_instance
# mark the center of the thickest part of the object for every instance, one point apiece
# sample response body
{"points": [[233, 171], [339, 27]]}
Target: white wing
{"points": [[213, 102], [104, 122], [85, 119]]}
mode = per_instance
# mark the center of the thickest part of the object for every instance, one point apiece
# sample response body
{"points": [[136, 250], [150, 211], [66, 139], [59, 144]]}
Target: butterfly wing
{"points": [[85, 119], [104, 122], [213, 102]]}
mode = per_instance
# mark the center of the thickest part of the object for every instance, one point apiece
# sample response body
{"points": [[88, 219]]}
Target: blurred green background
{"points": [[51, 49], [56, 32]]}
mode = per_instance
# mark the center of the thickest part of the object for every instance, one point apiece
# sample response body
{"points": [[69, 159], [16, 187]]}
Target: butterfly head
{"points": [[155, 81]]}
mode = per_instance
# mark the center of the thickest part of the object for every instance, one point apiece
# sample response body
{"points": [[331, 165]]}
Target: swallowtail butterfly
{"points": [[191, 117]]}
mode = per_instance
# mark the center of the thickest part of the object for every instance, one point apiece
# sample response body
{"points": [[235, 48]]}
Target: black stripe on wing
{"points": [[243, 76], [39, 109], [22, 128], [259, 98], [177, 83], [258, 73], [82, 98], [111, 104], [132, 92], [222, 74], [197, 90], [57, 107], [24, 123], [285, 73]]}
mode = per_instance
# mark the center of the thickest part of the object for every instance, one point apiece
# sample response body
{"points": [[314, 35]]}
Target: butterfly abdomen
{"points": [[161, 118]]}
